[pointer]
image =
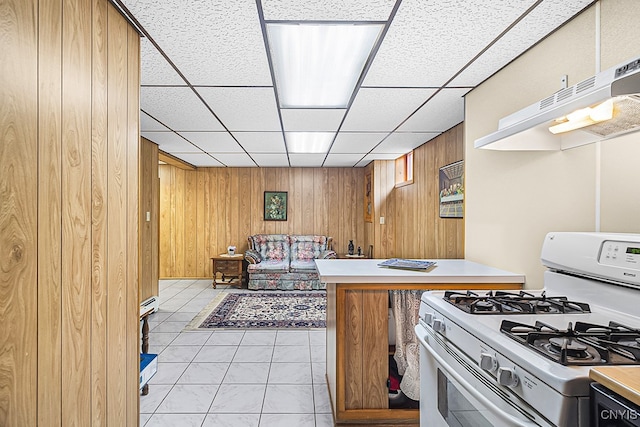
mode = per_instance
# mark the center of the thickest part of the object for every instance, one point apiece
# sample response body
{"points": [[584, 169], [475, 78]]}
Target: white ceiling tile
{"points": [[235, 159], [261, 142], [178, 108], [306, 160], [429, 41], [154, 69], [198, 159], [349, 142], [148, 123], [442, 112], [211, 42], [219, 142], [402, 142], [379, 156], [541, 21], [271, 160], [310, 120], [171, 142], [327, 10], [382, 109], [342, 160], [243, 108]]}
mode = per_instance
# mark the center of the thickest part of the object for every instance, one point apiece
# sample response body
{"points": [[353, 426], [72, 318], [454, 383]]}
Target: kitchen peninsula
{"points": [[358, 332]]}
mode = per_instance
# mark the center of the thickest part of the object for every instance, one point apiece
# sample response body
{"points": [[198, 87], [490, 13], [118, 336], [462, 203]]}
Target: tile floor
{"points": [[228, 378]]}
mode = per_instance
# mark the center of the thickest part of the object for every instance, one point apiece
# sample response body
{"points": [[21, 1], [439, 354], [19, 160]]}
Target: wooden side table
{"points": [[230, 267]]}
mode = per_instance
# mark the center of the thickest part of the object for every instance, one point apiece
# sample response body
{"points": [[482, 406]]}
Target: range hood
{"points": [[582, 107]]}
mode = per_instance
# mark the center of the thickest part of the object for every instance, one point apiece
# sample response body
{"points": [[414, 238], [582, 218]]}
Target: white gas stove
{"points": [[524, 358]]}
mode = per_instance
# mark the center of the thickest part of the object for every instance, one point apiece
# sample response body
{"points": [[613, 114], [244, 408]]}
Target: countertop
{"points": [[624, 380], [446, 271]]}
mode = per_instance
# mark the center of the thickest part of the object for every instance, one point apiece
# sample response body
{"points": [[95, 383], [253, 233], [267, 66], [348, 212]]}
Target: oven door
{"points": [[455, 392]]}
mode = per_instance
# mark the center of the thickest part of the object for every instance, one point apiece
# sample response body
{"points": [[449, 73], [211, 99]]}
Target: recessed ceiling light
{"points": [[308, 142], [318, 65]]}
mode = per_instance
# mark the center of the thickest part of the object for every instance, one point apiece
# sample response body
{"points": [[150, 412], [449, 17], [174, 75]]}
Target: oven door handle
{"points": [[471, 390]]}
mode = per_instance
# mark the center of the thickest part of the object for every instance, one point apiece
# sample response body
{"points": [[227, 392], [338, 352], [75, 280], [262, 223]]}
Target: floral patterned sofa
{"points": [[286, 262]]}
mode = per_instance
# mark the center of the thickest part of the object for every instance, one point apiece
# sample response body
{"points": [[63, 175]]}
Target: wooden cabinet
{"points": [[230, 268], [358, 350]]}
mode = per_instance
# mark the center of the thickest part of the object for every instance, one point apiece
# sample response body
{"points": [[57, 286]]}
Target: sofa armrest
{"points": [[327, 255], [252, 257]]}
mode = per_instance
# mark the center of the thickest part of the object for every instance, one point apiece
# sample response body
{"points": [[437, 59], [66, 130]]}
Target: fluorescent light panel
{"points": [[318, 65], [584, 117], [308, 142]]}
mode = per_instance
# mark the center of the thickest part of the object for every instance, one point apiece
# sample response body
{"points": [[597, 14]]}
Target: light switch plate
{"points": [[381, 220]]}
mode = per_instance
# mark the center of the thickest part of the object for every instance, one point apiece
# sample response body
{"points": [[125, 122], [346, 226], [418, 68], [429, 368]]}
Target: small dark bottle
{"points": [[359, 251], [350, 248]]}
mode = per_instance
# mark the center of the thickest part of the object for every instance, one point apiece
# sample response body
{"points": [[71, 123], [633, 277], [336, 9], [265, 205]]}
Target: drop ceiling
{"points": [[208, 95]]}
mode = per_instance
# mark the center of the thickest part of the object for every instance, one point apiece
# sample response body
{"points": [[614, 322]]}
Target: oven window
{"points": [[455, 408]]}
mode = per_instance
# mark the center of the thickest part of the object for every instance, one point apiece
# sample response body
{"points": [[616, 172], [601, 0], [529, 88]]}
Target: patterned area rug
{"points": [[264, 310]]}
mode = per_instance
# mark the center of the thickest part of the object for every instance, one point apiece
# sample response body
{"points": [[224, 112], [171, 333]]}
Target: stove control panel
{"points": [[620, 254]]}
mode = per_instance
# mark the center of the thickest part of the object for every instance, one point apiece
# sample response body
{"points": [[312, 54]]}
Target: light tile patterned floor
{"points": [[228, 378]]}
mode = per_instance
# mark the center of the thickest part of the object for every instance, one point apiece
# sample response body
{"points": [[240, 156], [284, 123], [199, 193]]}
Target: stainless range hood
{"points": [[585, 107]]}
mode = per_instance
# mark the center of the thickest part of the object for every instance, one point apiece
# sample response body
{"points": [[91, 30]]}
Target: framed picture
{"points": [[275, 205], [452, 190]]}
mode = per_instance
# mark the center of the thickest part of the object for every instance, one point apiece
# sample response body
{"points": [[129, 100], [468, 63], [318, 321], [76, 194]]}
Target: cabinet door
{"points": [[366, 349]]}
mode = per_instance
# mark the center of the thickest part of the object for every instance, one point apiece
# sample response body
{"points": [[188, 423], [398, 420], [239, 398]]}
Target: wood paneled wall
{"points": [[204, 211], [149, 230], [69, 152], [412, 225]]}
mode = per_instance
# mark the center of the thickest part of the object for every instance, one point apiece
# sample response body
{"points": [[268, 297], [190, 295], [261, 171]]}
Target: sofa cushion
{"points": [[269, 266], [271, 247], [302, 265], [307, 247]]}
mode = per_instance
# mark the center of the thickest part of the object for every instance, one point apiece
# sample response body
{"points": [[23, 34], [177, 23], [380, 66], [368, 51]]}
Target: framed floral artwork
{"points": [[275, 205]]}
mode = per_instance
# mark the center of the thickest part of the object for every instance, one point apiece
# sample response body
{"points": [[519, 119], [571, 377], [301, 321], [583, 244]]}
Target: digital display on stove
{"points": [[633, 251]]}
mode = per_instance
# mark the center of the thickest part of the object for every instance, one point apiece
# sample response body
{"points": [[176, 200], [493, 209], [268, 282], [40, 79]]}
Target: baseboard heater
{"points": [[150, 305]]}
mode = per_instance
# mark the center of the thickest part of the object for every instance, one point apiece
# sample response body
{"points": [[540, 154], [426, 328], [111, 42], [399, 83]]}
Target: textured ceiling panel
{"points": [[549, 15], [429, 41], [154, 69], [149, 124], [234, 159], [261, 142], [199, 160], [234, 105], [211, 42], [306, 160], [402, 143], [443, 111], [220, 142], [328, 10], [382, 109], [376, 156], [347, 143], [342, 160], [271, 160], [312, 119], [170, 142], [178, 108]]}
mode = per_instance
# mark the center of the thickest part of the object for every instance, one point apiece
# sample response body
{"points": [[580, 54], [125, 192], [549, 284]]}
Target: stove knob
{"points": [[438, 325], [488, 362], [428, 318], [507, 377]]}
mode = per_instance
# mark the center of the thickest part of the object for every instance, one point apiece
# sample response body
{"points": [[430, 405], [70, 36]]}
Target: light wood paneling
{"points": [[49, 214], [413, 227], [204, 211], [353, 350], [68, 214], [18, 213], [99, 236], [76, 212], [133, 273], [149, 230]]}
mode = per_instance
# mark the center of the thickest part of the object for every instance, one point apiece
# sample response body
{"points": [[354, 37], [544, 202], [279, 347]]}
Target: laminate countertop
{"points": [[446, 271], [623, 380]]}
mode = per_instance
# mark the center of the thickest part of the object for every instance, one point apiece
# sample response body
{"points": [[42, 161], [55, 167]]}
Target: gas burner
{"points": [[586, 344], [513, 303]]}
